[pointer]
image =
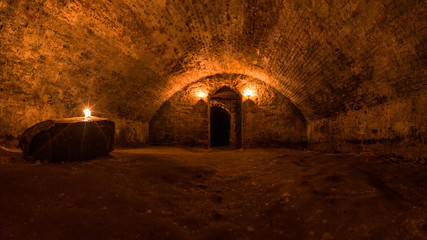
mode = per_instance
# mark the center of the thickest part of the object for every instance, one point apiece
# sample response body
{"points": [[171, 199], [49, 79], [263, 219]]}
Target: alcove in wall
{"points": [[225, 118], [266, 119]]}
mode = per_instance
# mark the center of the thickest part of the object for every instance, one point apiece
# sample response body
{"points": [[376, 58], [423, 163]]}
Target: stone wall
{"points": [[17, 114], [397, 128], [182, 120], [130, 133], [332, 59], [272, 121], [269, 119], [327, 57], [51, 65]]}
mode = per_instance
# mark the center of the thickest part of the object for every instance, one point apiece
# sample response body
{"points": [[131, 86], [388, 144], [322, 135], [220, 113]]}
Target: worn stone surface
{"points": [[399, 128], [268, 119], [257, 194], [71, 139], [130, 133], [271, 120], [182, 120]]}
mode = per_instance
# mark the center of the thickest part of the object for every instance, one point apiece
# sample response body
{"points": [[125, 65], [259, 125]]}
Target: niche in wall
{"points": [[267, 118], [225, 118]]}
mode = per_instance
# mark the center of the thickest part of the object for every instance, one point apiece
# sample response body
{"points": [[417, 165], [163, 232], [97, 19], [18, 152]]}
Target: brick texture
{"points": [[329, 58], [268, 119]]}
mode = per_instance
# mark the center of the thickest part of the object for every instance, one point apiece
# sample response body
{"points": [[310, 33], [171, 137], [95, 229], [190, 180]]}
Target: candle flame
{"points": [[87, 112]]}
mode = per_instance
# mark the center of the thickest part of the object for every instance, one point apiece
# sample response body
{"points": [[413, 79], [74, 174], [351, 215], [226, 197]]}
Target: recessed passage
{"points": [[220, 127]]}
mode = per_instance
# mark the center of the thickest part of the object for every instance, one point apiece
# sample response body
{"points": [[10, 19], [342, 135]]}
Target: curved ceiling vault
{"points": [[326, 56]]}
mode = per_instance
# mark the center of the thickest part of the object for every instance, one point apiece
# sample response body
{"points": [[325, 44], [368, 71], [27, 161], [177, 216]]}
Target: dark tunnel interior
{"points": [[220, 127]]}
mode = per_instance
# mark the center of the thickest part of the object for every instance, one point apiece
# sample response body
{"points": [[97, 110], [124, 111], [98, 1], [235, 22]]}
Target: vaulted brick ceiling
{"points": [[326, 56]]}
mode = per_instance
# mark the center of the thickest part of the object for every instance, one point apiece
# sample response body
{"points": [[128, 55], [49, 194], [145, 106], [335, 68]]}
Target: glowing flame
{"points": [[248, 93], [87, 112], [201, 94]]}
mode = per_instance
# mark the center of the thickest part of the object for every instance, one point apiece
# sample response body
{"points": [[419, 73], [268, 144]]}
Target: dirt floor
{"points": [[174, 193]]}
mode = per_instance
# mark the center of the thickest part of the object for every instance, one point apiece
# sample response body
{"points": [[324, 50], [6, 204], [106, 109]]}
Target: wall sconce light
{"points": [[248, 93], [201, 94]]}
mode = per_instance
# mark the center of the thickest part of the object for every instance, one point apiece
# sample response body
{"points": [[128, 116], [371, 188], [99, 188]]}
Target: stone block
{"points": [[69, 139]]}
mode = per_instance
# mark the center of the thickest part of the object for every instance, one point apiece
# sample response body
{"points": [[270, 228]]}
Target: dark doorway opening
{"points": [[220, 127], [226, 101]]}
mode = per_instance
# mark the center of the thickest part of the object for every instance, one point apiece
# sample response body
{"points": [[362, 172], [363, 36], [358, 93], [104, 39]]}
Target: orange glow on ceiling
{"points": [[201, 94]]}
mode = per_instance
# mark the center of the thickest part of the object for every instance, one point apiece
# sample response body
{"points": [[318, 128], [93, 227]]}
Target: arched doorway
{"points": [[220, 127], [225, 118]]}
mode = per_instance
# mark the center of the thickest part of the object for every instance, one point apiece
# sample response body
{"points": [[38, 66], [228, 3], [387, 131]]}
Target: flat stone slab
{"points": [[68, 139]]}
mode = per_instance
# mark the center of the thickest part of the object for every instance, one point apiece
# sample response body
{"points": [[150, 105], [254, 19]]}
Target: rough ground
{"points": [[172, 193]]}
